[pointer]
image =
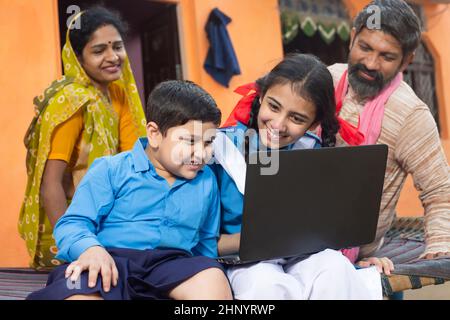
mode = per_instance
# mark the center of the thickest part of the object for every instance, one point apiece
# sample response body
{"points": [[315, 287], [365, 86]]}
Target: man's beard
{"points": [[366, 89]]}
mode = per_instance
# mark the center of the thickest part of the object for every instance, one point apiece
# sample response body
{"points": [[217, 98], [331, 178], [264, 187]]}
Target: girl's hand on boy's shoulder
{"points": [[382, 264], [97, 260]]}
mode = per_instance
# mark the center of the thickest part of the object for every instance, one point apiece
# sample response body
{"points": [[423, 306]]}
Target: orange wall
{"points": [[29, 62]]}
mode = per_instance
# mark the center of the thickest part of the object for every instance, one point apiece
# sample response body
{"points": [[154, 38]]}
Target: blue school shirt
{"points": [[231, 200], [122, 202]]}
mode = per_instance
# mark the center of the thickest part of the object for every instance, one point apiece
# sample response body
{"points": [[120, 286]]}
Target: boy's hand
{"points": [[97, 260], [382, 264]]}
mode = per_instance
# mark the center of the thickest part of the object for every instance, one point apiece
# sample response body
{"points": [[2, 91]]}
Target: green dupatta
{"points": [[61, 100]]}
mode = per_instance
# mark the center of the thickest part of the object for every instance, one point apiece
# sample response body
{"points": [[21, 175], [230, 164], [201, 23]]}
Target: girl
{"points": [[92, 111], [289, 102]]}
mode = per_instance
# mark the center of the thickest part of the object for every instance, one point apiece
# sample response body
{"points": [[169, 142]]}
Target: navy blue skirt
{"points": [[143, 274]]}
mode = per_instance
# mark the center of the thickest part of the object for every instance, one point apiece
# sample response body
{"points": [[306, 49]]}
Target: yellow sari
{"points": [[100, 137]]}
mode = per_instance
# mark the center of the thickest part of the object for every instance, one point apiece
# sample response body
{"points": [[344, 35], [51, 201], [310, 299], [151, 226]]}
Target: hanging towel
{"points": [[221, 62]]}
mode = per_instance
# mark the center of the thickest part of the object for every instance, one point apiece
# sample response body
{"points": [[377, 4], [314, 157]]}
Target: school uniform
{"points": [[158, 235], [324, 275]]}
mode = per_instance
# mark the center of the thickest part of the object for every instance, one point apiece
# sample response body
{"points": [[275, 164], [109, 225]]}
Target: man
{"points": [[376, 102]]}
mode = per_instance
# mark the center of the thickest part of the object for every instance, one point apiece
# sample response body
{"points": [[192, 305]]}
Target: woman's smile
{"points": [[112, 69]]}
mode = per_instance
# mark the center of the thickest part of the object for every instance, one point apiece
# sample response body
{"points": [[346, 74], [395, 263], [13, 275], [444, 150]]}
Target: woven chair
{"points": [[404, 242]]}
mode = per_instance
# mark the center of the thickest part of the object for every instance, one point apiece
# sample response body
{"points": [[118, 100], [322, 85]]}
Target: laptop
{"points": [[318, 199]]}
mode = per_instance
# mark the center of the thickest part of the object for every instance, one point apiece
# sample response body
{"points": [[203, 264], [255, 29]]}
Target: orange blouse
{"points": [[65, 144]]}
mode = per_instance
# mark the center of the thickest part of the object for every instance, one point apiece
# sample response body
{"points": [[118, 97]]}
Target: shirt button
{"points": [[165, 222]]}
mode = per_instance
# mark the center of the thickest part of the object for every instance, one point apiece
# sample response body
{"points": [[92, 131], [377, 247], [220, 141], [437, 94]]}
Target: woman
{"points": [[92, 111]]}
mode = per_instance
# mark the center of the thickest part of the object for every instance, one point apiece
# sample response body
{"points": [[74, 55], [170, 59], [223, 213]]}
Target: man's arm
{"points": [[419, 152]]}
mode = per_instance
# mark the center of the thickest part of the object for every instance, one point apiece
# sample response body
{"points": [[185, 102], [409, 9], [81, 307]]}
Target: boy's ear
{"points": [[352, 38], [154, 136]]}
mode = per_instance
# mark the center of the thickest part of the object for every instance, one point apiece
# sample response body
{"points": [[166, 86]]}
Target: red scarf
{"points": [[241, 111], [370, 120], [348, 132]]}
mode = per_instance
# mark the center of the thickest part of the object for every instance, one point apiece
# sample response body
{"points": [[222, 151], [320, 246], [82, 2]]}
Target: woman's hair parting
{"points": [[311, 80], [91, 20]]}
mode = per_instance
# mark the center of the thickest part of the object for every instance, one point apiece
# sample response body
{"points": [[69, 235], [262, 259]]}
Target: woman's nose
{"points": [[111, 55]]}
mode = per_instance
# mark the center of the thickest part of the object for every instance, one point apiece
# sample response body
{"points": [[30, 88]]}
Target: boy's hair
{"points": [[310, 79], [175, 102], [397, 18], [90, 21]]}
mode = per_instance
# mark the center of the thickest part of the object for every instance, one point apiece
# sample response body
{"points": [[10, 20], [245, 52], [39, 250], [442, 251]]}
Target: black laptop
{"points": [[318, 199]]}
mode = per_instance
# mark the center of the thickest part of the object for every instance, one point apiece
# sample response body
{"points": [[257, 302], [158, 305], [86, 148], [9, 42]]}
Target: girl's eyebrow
{"points": [[275, 101]]}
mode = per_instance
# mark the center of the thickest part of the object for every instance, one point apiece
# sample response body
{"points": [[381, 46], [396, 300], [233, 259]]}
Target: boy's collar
{"points": [[140, 159]]}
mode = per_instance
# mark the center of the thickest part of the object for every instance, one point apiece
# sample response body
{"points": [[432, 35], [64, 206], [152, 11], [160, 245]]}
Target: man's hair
{"points": [[175, 102], [397, 18]]}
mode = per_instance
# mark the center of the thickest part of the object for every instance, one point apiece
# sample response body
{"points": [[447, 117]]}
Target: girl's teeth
{"points": [[273, 134]]}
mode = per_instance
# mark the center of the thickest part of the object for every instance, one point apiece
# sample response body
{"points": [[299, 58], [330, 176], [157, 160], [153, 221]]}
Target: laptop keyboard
{"points": [[231, 260]]}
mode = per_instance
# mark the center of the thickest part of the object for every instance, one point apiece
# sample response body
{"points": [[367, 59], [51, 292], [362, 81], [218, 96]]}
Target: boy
{"points": [[147, 220]]}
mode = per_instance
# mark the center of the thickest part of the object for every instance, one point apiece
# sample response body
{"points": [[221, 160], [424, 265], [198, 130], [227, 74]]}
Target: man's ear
{"points": [[352, 38], [154, 136], [407, 61]]}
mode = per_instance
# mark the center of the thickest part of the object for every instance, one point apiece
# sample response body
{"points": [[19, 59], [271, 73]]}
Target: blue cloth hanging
{"points": [[221, 62]]}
